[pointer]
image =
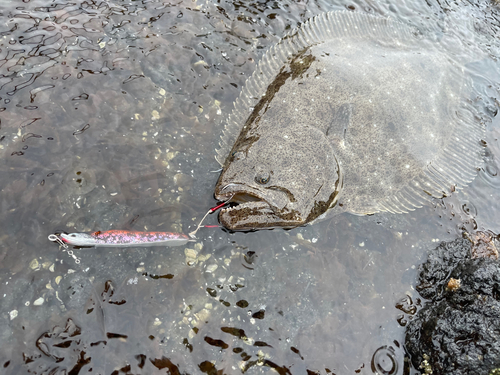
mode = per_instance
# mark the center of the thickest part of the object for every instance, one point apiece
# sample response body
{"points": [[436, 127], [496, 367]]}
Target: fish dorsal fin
{"points": [[454, 167], [324, 27]]}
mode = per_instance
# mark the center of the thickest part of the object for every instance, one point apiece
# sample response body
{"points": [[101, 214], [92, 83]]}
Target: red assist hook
{"points": [[213, 209], [210, 211]]}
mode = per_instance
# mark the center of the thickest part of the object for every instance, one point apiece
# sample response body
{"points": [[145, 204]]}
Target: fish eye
{"points": [[262, 178]]}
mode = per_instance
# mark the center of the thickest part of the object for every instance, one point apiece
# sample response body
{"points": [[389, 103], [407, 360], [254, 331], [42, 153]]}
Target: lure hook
{"points": [[210, 211]]}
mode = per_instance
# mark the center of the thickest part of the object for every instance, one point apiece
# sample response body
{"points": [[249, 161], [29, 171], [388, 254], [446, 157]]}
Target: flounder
{"points": [[348, 113]]}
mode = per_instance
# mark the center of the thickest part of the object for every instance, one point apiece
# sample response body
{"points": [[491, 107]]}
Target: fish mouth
{"points": [[247, 209], [242, 201], [238, 194]]}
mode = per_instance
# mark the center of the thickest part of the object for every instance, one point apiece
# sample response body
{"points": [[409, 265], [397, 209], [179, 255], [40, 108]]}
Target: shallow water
{"points": [[110, 114]]}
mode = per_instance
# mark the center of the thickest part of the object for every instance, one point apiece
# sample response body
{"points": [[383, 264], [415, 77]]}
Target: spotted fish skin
{"points": [[123, 238], [349, 113]]}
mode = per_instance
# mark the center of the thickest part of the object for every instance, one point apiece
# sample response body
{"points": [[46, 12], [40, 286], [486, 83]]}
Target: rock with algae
{"points": [[458, 329]]}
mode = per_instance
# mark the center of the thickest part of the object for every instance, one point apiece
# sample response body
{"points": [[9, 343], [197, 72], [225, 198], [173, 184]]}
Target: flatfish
{"points": [[348, 113]]}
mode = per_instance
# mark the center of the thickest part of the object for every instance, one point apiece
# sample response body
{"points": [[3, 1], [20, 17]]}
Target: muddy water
{"points": [[110, 112]]}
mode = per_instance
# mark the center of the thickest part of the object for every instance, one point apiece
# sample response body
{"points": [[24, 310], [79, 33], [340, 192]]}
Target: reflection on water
{"points": [[110, 114]]}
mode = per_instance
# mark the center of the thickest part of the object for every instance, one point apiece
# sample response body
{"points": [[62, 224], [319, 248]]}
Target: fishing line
{"points": [[210, 211]]}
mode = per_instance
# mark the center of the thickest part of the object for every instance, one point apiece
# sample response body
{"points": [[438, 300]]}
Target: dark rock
{"points": [[458, 330]]}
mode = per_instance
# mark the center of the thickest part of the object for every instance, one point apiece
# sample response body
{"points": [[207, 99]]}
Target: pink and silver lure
{"points": [[125, 238]]}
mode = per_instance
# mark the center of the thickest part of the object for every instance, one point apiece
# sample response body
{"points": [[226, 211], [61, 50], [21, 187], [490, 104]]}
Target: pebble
{"points": [[211, 268], [34, 264]]}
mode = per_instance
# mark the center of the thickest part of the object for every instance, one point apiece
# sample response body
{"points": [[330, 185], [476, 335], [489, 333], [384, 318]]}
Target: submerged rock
{"points": [[458, 330]]}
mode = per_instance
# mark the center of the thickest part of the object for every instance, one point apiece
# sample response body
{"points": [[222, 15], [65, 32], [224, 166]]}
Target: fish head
{"points": [[276, 179], [78, 239]]}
